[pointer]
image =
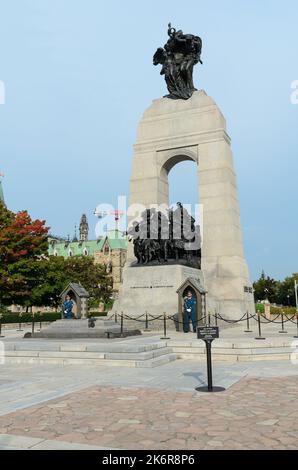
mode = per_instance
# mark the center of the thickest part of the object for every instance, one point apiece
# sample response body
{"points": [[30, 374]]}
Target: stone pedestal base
{"points": [[152, 289]]}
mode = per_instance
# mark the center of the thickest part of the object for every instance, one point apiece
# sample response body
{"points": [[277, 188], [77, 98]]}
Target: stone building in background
{"points": [[109, 250]]}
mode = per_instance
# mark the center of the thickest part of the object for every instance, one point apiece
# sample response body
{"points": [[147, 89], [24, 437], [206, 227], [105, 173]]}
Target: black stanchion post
{"points": [[247, 324], [1, 335], [116, 317], [121, 324], [282, 324], [259, 325], [209, 319], [146, 322], [296, 336], [33, 323], [164, 326], [204, 305], [209, 366], [20, 322], [215, 316], [39, 322]]}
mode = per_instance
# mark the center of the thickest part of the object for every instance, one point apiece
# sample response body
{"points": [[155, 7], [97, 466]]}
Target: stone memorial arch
{"points": [[186, 124], [170, 132]]}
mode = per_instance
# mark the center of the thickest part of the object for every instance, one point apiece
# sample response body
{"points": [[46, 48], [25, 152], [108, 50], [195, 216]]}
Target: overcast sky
{"points": [[78, 75]]}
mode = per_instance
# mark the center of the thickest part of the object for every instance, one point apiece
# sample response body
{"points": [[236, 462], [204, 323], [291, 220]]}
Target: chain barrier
{"points": [[181, 322], [243, 318], [127, 317], [217, 316], [273, 321], [134, 318], [155, 318], [294, 321]]}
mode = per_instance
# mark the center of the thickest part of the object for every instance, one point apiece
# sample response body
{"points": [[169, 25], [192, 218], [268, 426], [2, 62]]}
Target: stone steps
{"points": [[158, 361], [234, 351], [146, 355], [146, 351]]}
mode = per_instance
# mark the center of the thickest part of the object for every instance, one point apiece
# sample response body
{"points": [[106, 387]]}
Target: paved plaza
{"points": [[52, 406]]}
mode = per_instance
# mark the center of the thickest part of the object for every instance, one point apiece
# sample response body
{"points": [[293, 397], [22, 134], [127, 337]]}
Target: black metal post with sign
{"points": [[208, 334]]}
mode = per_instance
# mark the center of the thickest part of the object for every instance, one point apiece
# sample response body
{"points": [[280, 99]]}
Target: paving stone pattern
{"points": [[255, 413]]}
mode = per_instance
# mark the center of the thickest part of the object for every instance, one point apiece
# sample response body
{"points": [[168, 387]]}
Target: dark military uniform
{"points": [[190, 313], [67, 308]]}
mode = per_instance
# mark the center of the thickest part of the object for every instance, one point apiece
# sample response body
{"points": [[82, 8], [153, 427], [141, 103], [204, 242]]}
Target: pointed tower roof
{"points": [[84, 228]]}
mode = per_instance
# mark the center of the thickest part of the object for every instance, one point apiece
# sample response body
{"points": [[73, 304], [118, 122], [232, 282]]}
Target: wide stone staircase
{"points": [[126, 353], [236, 349]]}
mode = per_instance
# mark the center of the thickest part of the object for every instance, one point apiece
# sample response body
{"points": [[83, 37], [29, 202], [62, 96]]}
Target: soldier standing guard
{"points": [[67, 307], [190, 307]]}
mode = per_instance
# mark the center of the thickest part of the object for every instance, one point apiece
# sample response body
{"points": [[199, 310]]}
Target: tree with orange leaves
{"points": [[23, 242]]}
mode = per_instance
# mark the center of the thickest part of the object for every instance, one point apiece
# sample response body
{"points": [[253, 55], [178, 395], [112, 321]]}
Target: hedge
{"points": [[284, 310], [40, 316], [276, 310], [28, 317], [97, 314]]}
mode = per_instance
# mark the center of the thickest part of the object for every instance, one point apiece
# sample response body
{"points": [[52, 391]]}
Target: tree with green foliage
{"points": [[53, 279], [92, 276], [286, 291], [265, 288], [56, 272]]}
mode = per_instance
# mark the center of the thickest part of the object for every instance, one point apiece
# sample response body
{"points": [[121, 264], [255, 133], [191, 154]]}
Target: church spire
{"points": [[84, 228]]}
